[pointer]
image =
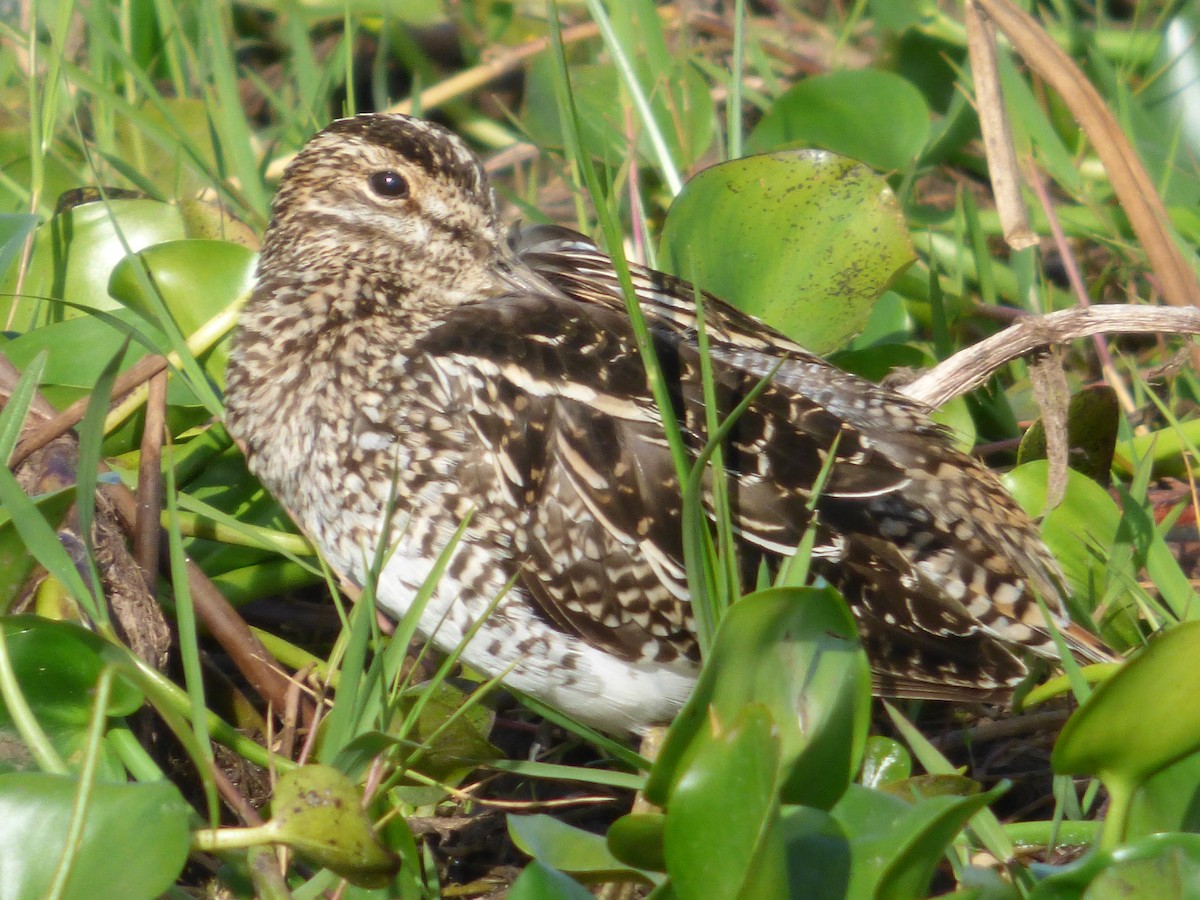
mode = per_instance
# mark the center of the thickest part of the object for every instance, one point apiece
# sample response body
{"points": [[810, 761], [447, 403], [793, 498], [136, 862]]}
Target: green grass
{"points": [[185, 103]]}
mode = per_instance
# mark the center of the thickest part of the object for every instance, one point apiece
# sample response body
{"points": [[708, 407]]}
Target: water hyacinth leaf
{"points": [[917, 787], [796, 651], [459, 747], [720, 823], [541, 882], [885, 761], [78, 350], [1165, 446], [1142, 719], [930, 827], [803, 239], [211, 221], [317, 811], [151, 818], [817, 852], [195, 278], [568, 849], [57, 665], [76, 251], [637, 840], [875, 117]]}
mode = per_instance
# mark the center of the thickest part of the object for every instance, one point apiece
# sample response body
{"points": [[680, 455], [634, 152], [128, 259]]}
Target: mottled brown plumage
{"points": [[399, 340]]}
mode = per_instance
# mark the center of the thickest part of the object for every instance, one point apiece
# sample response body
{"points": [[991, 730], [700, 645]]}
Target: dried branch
{"points": [[970, 368]]}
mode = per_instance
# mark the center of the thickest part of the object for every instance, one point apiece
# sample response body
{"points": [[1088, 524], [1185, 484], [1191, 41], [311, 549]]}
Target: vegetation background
{"points": [[190, 709]]}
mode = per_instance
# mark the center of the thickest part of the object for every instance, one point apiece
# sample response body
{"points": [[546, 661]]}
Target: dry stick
{"points": [[1133, 187], [148, 528], [1003, 171], [970, 368]]}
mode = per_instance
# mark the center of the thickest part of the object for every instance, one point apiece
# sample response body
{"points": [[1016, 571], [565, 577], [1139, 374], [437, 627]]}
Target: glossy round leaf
{"points": [[804, 240], [57, 665], [318, 811], [885, 761], [195, 278], [795, 651], [869, 115], [151, 820], [1142, 719], [1092, 418], [1079, 531], [1166, 801]]}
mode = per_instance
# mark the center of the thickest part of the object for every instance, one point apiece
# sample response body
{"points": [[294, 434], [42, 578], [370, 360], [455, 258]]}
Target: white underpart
{"points": [[595, 688]]}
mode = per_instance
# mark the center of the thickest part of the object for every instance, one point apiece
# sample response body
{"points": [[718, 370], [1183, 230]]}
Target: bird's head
{"points": [[400, 196]]}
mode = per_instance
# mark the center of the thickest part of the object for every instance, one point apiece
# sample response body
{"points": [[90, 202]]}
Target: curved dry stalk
{"points": [[970, 368]]}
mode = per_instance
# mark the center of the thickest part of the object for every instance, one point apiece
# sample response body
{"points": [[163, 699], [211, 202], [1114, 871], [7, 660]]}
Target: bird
{"points": [[412, 374]]}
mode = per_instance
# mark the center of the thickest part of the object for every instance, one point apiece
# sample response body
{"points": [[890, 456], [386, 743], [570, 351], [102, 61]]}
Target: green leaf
{"points": [[1080, 531], [796, 651], [817, 851], [196, 279], [540, 882], [318, 811], [78, 350], [875, 117], [457, 748], [885, 761], [895, 846], [568, 849], [720, 823], [637, 840], [804, 240], [75, 252], [1142, 719], [14, 228], [1166, 801], [134, 842], [57, 665]]}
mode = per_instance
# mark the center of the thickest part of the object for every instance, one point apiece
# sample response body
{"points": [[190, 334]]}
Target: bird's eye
{"points": [[389, 184]]}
